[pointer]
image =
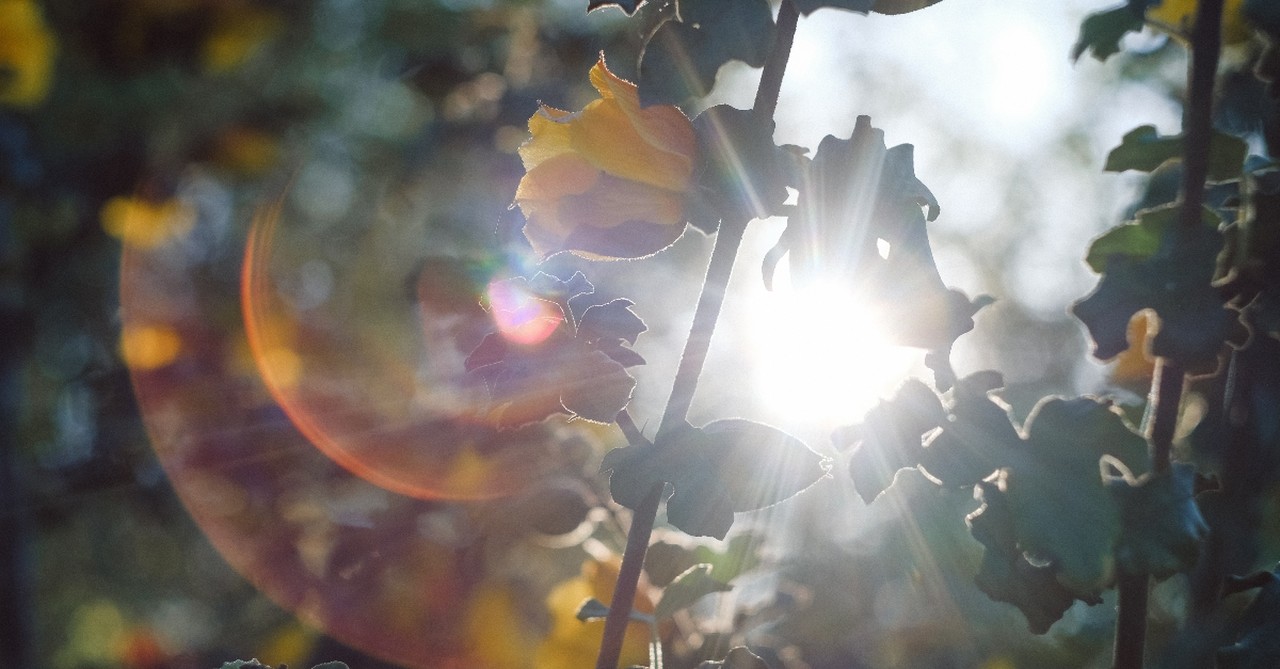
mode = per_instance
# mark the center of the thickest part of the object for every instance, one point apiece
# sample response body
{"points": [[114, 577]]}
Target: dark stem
{"points": [[771, 78], [1131, 621], [1169, 379], [685, 384], [1206, 42]]}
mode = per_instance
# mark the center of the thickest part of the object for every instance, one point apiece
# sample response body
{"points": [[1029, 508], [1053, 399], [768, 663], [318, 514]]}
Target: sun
{"points": [[822, 355]]}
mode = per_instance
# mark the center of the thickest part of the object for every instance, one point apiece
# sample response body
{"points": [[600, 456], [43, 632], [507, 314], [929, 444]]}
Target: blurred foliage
{"points": [[385, 132]]}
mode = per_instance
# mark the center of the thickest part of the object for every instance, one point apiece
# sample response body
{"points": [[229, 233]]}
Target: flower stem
{"points": [[685, 384], [1169, 379]]}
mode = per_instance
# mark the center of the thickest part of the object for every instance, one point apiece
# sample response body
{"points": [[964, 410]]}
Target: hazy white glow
{"points": [[821, 356]]}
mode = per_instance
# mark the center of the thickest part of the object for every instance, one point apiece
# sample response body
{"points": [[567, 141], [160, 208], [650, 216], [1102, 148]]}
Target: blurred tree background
{"points": [[243, 245]]}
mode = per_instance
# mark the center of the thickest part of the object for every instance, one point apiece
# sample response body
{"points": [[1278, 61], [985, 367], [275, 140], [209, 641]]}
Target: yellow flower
{"points": [[608, 181], [1177, 16], [26, 54]]}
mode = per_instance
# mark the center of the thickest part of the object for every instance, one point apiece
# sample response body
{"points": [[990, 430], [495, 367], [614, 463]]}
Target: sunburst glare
{"points": [[822, 354]]}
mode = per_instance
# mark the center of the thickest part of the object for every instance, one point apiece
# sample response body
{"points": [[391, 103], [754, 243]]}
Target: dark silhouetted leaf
{"points": [[664, 561], [1141, 239], [738, 658], [1163, 527], [628, 7], [331, 665], [741, 174], [1259, 645], [557, 369], [1061, 508], [872, 237], [681, 58], [592, 609], [891, 436], [688, 588], [978, 439], [612, 321], [1175, 281], [1144, 149], [727, 466], [1005, 575], [1101, 32]]}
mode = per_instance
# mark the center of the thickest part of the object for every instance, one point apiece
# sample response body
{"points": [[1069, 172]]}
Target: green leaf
{"points": [[873, 237], [1141, 239], [741, 554], [681, 58], [890, 437], [1005, 575], [1144, 149], [978, 438], [1163, 527], [758, 465], [580, 372], [664, 561], [688, 588], [1175, 281], [738, 658], [1259, 644], [1062, 510], [740, 174], [1101, 32], [724, 467], [592, 609]]}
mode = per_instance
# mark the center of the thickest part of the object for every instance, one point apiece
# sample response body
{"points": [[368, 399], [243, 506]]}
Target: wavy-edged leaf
{"points": [[741, 173], [613, 320], [681, 58], [628, 7], [724, 467], [1101, 32], [1144, 149], [690, 586], [1175, 281], [891, 437], [1005, 575], [1163, 527], [1062, 510]]}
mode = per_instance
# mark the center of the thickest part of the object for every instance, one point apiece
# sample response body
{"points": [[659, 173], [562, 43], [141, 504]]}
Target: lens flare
{"points": [[255, 382]]}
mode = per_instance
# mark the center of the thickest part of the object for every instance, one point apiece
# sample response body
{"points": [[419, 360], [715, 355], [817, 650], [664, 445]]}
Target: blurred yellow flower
{"points": [[573, 644], [238, 31], [1178, 16], [27, 49], [145, 224], [608, 181]]}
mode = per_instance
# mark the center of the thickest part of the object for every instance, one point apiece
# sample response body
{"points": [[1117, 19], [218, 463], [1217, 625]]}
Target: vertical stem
{"points": [[685, 384], [1169, 378]]}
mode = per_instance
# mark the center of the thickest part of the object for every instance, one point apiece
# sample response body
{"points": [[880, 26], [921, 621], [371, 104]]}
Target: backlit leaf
{"points": [[1163, 527], [687, 589], [1101, 32], [681, 58], [738, 658], [1144, 149]]}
